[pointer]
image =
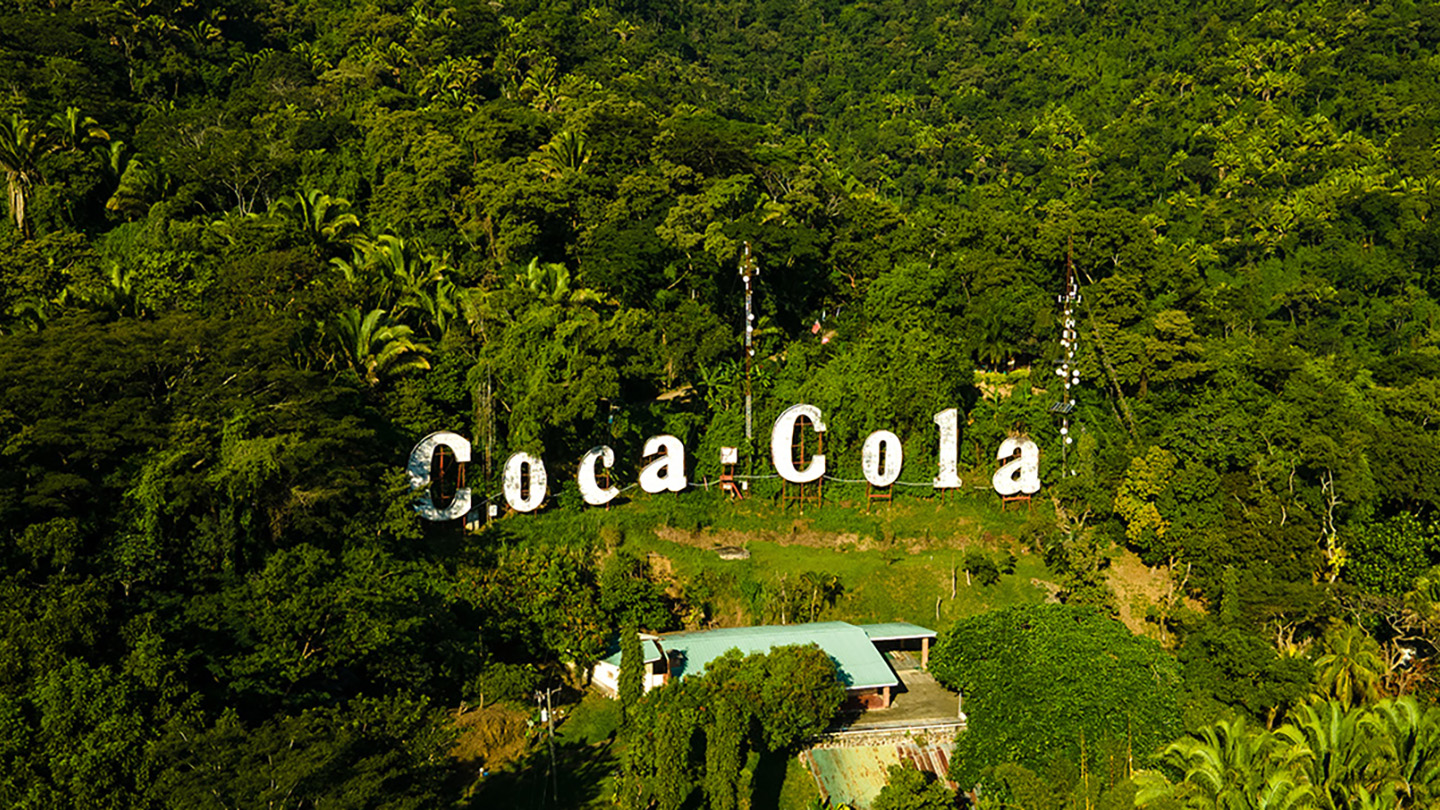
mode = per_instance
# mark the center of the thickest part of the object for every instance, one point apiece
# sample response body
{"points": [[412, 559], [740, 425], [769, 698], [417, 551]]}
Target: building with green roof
{"points": [[859, 663]]}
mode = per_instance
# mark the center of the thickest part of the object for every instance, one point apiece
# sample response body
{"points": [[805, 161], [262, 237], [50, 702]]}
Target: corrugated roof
{"points": [[896, 631], [858, 664], [647, 643]]}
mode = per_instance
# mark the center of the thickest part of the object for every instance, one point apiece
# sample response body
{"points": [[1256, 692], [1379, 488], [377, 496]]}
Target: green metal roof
{"points": [[896, 631], [647, 643], [858, 664]]}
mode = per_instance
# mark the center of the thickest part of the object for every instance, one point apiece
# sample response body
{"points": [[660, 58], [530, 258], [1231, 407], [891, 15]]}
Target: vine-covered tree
{"points": [[1055, 683]]}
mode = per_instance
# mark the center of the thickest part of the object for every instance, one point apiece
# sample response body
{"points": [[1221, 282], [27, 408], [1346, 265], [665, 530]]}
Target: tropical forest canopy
{"points": [[255, 249]]}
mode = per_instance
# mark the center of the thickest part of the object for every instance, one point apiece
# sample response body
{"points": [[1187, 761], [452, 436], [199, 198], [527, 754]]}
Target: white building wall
{"points": [[607, 676]]}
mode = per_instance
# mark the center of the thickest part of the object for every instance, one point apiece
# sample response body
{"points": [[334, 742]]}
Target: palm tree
{"points": [[376, 349], [1344, 745], [324, 220], [438, 305], [1384, 799], [139, 185], [566, 153], [117, 296], [71, 130], [1351, 668], [1411, 737], [22, 144], [391, 267], [1227, 766], [551, 281], [1282, 792], [29, 315]]}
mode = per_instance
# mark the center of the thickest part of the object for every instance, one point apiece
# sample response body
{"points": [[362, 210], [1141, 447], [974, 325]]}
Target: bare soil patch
{"points": [[1052, 591], [1138, 588], [489, 738]]}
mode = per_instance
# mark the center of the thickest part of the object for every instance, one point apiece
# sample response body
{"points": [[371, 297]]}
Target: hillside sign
{"points": [[525, 481]]}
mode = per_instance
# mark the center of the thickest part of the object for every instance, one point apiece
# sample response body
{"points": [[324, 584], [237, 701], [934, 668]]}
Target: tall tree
{"points": [[1351, 667], [22, 143]]}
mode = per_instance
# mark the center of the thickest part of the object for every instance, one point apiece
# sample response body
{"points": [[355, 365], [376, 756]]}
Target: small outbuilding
{"points": [[606, 674]]}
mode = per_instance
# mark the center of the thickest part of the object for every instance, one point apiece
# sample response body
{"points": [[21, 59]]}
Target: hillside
{"points": [[256, 249]]}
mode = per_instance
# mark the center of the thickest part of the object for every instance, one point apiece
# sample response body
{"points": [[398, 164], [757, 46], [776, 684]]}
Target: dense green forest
{"points": [[253, 250]]}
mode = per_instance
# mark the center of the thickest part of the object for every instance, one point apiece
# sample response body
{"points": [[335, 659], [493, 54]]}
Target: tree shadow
{"points": [[581, 776], [768, 778]]}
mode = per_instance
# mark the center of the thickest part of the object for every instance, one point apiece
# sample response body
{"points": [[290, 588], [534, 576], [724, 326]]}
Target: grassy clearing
{"points": [[877, 587], [975, 515], [798, 791], [902, 561], [592, 720]]}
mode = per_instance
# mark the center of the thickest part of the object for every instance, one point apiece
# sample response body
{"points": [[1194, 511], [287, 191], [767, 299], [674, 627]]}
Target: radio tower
{"points": [[1067, 371]]}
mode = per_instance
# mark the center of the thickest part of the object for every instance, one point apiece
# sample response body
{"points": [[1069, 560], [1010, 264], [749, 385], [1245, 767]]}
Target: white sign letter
{"points": [[1021, 474], [589, 489], [780, 438], [666, 473], [419, 469], [515, 496], [877, 475], [949, 422]]}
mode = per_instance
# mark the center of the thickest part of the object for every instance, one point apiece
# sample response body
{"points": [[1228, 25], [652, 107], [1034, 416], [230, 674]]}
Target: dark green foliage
{"points": [[632, 669], [629, 595], [509, 682], [911, 789], [1238, 667], [80, 735], [696, 734], [1227, 658], [538, 604], [382, 753], [1386, 556], [979, 565], [1053, 683]]}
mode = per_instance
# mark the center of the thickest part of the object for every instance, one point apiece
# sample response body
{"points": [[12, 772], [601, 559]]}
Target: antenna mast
{"points": [[749, 269], [1069, 339]]}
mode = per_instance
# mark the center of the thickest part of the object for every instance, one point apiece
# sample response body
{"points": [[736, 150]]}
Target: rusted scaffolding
{"points": [[814, 491], [874, 493], [439, 492], [729, 460]]}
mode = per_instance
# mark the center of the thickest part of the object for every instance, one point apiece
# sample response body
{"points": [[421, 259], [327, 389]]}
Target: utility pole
{"points": [[749, 269], [550, 728]]}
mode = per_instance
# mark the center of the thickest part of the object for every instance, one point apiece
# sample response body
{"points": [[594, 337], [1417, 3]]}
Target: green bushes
{"points": [[1054, 683]]}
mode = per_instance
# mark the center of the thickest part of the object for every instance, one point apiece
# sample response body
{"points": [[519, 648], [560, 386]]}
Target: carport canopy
{"points": [[902, 631]]}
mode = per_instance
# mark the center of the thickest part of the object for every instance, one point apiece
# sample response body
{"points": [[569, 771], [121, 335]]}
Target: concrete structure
{"points": [[869, 680], [900, 636]]}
